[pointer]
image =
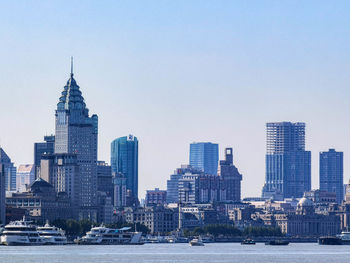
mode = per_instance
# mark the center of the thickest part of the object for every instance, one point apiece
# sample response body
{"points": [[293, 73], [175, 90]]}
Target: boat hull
{"points": [[277, 243], [330, 241], [19, 241]]}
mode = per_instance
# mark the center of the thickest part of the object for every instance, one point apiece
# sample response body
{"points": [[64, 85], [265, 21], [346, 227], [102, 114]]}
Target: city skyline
{"points": [[210, 86]]}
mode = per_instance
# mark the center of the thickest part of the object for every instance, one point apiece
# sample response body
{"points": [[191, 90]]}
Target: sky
{"points": [[176, 72]]}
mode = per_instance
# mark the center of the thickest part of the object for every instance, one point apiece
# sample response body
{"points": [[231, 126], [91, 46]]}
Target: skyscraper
{"points": [[76, 133], [231, 177], [288, 165], [331, 173], [124, 160], [9, 171], [205, 157], [40, 148]]}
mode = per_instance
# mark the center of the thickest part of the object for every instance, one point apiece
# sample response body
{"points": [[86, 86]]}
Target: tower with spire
{"points": [[76, 133]]}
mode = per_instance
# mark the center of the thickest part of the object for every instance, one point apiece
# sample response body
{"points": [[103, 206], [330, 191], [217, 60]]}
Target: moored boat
{"points": [[248, 241], [329, 240], [52, 235], [277, 243], [196, 242], [108, 236], [21, 233], [174, 239], [345, 237]]}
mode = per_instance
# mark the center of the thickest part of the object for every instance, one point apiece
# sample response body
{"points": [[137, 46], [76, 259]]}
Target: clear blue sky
{"points": [[174, 72]]}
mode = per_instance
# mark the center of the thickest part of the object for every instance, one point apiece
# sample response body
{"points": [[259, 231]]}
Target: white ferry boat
{"points": [[108, 236], [20, 233], [344, 237], [52, 235]]}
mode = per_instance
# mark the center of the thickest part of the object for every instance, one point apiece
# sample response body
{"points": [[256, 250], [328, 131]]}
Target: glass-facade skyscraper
{"points": [[204, 156], [288, 165], [331, 173], [124, 160]]}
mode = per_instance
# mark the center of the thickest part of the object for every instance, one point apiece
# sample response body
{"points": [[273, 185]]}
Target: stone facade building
{"points": [[158, 219], [305, 222]]}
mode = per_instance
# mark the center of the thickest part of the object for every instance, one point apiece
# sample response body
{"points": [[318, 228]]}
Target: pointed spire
{"points": [[71, 66]]}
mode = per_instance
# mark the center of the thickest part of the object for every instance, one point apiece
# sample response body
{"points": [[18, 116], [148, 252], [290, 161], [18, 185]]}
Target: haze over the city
{"points": [[174, 72]]}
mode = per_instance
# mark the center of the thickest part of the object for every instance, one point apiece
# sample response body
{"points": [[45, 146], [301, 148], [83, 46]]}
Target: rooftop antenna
{"points": [[71, 66]]}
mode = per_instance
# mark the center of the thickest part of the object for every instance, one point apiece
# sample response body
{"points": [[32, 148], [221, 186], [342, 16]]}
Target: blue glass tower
{"points": [[331, 173], [204, 156], [124, 160]]}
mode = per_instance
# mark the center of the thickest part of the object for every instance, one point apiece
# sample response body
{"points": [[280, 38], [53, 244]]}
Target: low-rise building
{"points": [[155, 197], [158, 219], [305, 222]]}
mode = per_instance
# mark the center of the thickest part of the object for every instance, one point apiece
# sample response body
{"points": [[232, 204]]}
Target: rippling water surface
{"points": [[222, 252]]}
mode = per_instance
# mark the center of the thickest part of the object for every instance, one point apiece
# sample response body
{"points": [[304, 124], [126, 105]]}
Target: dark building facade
{"points": [[331, 173], [62, 172], [124, 160], [104, 179], [41, 202], [288, 165], [41, 148], [204, 156]]}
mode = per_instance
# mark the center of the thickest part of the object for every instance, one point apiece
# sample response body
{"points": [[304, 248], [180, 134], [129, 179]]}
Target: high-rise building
{"points": [[2, 194], [124, 160], [331, 173], [76, 133], [173, 182], [205, 157], [232, 178], [288, 165], [119, 191], [25, 177], [104, 179], [10, 171], [40, 148]]}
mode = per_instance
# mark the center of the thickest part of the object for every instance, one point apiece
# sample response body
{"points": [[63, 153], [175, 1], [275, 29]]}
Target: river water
{"points": [[166, 253]]}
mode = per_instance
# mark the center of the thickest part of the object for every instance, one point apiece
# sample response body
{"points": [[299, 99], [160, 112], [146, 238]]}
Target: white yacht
{"points": [[52, 235], [108, 236], [196, 242], [20, 233], [345, 237]]}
